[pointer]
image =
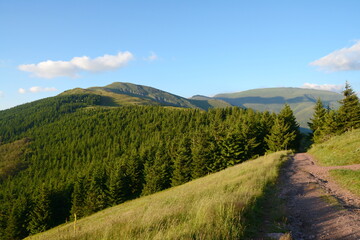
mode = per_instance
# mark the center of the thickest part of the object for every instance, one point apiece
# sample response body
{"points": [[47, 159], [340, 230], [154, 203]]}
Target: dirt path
{"points": [[317, 207]]}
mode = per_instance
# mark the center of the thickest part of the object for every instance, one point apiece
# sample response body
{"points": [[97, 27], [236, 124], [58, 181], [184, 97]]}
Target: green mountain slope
{"points": [[219, 206], [300, 100], [339, 150], [124, 94], [66, 155]]}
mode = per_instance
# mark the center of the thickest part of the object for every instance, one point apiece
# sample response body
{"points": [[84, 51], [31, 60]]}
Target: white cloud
{"points": [[22, 90], [51, 69], [344, 59], [152, 57], [1, 94], [42, 89], [327, 87], [37, 89]]}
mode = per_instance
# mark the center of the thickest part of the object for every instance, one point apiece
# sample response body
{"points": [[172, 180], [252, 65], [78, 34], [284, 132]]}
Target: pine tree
{"points": [[96, 198], [157, 173], [78, 198], [349, 111], [200, 149], [17, 220], [182, 163], [331, 126], [316, 123], [280, 137], [287, 115], [119, 190], [40, 216]]}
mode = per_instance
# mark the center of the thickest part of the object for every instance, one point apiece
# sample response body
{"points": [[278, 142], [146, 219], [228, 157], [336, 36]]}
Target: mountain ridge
{"points": [[301, 100], [120, 94]]}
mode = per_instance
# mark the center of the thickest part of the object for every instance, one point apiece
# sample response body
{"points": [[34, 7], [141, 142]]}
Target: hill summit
{"points": [[123, 94]]}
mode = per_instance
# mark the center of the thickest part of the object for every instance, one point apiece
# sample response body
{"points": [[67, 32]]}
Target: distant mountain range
{"points": [[266, 99], [301, 100]]}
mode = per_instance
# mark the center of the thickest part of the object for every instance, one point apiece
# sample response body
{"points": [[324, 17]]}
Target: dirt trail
{"points": [[312, 212]]}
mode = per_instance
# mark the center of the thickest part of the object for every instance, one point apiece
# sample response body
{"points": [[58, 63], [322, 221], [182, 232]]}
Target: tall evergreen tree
{"points": [[182, 163], [96, 197], [157, 173], [349, 111], [40, 216], [331, 126], [78, 198], [201, 154], [280, 137], [317, 122], [119, 190], [287, 115], [17, 220]]}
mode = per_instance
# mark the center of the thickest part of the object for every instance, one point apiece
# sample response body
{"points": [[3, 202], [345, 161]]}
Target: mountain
{"points": [[301, 101], [124, 94]]}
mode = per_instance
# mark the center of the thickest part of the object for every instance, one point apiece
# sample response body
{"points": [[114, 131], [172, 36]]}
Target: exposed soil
{"points": [[317, 207]]}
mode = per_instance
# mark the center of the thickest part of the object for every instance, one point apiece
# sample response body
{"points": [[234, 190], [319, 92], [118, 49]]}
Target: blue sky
{"points": [[183, 47]]}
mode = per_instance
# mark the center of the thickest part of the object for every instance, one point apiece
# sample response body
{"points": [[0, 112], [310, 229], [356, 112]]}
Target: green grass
{"points": [[348, 179], [339, 150], [218, 206]]}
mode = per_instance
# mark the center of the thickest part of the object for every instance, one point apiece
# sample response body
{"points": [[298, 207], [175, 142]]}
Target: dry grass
{"points": [[211, 207]]}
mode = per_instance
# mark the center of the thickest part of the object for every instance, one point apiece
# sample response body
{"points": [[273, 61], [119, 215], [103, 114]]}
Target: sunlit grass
{"points": [[212, 207], [339, 150], [348, 179]]}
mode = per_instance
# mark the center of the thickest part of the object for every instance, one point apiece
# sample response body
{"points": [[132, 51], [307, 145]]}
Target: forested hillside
{"points": [[76, 157]]}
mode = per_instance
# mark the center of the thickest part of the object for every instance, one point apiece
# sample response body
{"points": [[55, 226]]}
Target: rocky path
{"points": [[317, 207]]}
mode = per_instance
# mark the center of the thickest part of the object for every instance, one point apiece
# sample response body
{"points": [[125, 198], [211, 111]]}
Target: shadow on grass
{"points": [[267, 214]]}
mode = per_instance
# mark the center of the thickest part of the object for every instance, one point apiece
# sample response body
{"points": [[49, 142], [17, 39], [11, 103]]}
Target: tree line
{"points": [[327, 122]]}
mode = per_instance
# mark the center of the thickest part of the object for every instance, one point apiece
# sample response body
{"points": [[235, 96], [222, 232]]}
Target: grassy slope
{"points": [[212, 207], [339, 150], [348, 179], [272, 99]]}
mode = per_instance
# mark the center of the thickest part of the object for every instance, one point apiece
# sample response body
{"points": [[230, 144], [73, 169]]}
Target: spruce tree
{"points": [[40, 216], [118, 186], [200, 149], [78, 198], [281, 137], [17, 220], [316, 123], [349, 111], [96, 198], [182, 163], [287, 115], [331, 126], [157, 173]]}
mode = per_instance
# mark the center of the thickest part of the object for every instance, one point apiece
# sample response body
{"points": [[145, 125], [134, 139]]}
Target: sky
{"points": [[180, 46]]}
